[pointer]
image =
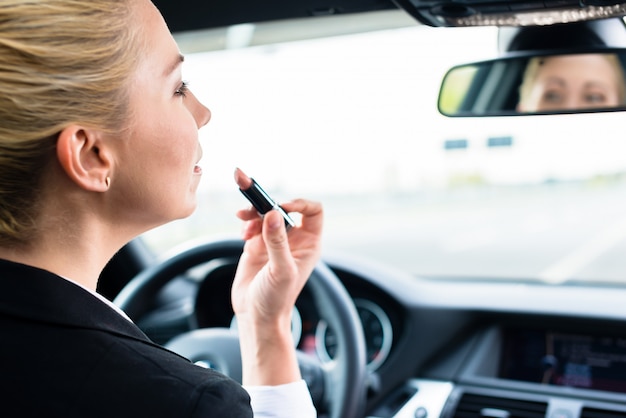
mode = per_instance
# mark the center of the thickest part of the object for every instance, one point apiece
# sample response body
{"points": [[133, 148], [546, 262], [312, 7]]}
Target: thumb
{"points": [[276, 242]]}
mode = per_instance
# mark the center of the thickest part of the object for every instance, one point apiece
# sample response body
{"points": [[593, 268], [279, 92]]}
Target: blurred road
{"points": [[552, 233]]}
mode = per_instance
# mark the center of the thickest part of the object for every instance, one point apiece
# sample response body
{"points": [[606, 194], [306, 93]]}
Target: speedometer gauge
{"points": [[376, 329]]}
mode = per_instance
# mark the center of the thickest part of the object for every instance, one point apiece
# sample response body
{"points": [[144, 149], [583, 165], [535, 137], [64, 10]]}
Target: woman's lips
{"points": [[196, 168]]}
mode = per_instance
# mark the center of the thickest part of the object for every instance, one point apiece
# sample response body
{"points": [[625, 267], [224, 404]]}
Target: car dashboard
{"points": [[446, 347]]}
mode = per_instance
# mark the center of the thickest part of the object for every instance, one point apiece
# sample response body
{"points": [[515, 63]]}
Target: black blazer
{"points": [[65, 353]]}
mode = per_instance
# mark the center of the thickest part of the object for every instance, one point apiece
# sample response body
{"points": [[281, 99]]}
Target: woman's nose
{"points": [[204, 117], [200, 112]]}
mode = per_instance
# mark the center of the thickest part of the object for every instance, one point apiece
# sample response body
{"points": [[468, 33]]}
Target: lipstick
{"points": [[259, 198]]}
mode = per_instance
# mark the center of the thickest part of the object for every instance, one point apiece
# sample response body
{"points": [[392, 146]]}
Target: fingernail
{"points": [[275, 221]]}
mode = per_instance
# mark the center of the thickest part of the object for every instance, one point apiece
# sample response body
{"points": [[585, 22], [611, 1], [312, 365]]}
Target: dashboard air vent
{"points": [[601, 413], [481, 406]]}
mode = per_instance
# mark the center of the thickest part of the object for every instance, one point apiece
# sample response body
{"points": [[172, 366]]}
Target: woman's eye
{"points": [[552, 96], [182, 90], [595, 98]]}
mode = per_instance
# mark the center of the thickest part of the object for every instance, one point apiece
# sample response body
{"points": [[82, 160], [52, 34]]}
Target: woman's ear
{"points": [[84, 157]]}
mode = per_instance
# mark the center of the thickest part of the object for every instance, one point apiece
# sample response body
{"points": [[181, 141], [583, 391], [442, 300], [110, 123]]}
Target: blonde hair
{"points": [[534, 65], [61, 62]]}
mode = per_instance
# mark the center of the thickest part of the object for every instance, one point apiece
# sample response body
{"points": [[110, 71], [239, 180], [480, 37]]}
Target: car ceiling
{"points": [[190, 15], [193, 15]]}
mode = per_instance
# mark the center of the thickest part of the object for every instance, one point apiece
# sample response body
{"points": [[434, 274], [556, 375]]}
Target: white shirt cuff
{"points": [[283, 401]]}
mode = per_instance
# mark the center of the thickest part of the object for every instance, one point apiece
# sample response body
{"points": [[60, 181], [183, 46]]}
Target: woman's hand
{"points": [[272, 271]]}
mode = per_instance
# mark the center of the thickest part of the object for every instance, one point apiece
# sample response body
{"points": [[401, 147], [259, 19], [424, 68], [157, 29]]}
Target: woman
{"points": [[572, 82], [99, 143]]}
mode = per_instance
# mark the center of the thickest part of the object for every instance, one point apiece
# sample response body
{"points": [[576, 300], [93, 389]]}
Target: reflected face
{"points": [[574, 82]]}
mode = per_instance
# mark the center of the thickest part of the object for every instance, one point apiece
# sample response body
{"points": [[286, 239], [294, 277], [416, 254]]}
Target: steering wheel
{"points": [[337, 387]]}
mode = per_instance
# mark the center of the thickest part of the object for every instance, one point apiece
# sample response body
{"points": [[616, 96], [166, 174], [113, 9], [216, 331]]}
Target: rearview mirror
{"points": [[530, 83]]}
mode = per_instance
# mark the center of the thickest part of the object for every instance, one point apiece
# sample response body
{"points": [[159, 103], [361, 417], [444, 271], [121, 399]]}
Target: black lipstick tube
{"points": [[263, 203]]}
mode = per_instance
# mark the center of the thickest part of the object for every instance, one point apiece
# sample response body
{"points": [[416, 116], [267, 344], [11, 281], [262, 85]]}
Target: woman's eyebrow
{"points": [[555, 80], [597, 84], [171, 68]]}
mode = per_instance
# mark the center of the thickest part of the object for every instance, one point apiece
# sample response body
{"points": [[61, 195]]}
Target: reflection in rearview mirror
{"points": [[536, 84]]}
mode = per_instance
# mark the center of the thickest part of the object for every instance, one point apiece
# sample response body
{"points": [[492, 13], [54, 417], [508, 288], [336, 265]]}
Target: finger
{"points": [[248, 214], [307, 208], [312, 212], [251, 228], [276, 242]]}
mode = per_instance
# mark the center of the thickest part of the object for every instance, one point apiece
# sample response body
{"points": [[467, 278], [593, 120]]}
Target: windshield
{"points": [[352, 121]]}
